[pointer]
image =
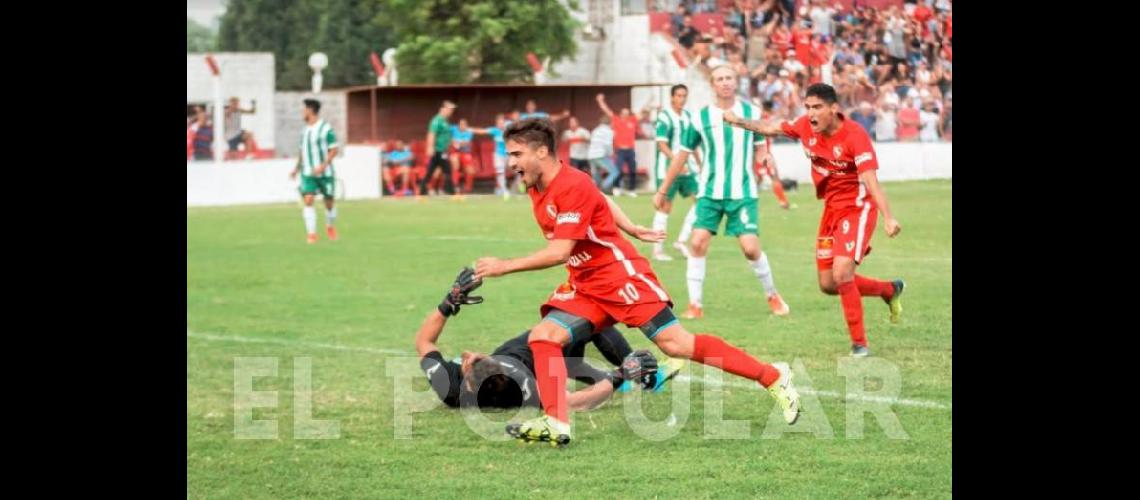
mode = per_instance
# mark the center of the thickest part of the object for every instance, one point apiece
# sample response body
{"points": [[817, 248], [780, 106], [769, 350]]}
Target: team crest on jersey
{"points": [[823, 248], [551, 211], [564, 292], [811, 142], [838, 151], [850, 246]]}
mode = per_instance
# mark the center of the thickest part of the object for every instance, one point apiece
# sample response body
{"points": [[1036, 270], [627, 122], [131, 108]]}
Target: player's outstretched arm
{"points": [[640, 232], [675, 168], [871, 180], [591, 397], [429, 333], [555, 253], [457, 295], [758, 126]]}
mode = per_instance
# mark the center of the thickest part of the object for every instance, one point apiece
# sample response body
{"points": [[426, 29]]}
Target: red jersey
{"points": [[801, 38], [837, 161], [922, 14], [572, 208], [781, 39], [625, 130]]}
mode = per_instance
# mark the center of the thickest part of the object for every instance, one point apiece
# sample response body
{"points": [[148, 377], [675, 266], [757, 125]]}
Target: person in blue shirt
{"points": [[496, 134], [398, 163], [462, 156]]}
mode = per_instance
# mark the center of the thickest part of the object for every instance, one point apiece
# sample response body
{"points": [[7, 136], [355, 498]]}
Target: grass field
{"points": [[255, 289]]}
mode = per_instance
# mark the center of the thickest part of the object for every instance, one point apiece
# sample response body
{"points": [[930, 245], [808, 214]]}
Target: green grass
{"points": [[255, 289]]}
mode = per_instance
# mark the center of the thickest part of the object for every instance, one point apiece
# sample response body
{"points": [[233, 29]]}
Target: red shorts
{"points": [[465, 159], [632, 301], [845, 233]]}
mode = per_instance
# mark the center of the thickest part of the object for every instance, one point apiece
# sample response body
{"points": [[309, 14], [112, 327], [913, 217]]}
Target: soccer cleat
{"points": [[312, 238], [661, 255], [778, 306], [896, 300], [785, 394], [683, 248], [694, 312], [331, 232], [541, 429], [671, 368], [617, 191], [859, 351]]}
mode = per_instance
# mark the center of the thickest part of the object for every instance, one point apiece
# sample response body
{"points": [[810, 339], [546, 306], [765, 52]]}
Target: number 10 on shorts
{"points": [[629, 293]]}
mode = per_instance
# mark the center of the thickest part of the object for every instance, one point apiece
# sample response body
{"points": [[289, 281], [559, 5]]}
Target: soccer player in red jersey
{"points": [[609, 283], [843, 165]]}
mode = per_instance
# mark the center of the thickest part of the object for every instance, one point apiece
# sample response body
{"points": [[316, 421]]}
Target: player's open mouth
{"points": [[813, 123]]}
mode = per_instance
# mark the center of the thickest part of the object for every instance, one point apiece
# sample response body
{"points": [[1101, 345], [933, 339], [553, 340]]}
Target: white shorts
{"points": [[500, 164]]}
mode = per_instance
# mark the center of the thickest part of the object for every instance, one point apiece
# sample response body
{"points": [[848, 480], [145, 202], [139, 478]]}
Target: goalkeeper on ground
{"points": [[505, 378]]}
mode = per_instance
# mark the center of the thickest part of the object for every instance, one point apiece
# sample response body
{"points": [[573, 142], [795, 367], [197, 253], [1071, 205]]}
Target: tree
{"points": [[463, 41], [199, 38], [440, 41], [345, 30]]}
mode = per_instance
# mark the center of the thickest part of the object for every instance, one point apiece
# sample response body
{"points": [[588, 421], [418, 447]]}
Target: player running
{"points": [[843, 164], [609, 282]]}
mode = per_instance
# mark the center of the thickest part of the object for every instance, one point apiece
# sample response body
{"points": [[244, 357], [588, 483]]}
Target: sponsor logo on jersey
{"points": [[568, 218], [579, 259], [823, 248], [564, 292]]}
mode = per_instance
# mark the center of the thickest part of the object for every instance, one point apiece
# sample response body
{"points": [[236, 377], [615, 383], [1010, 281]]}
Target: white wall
{"points": [[289, 124], [267, 181], [897, 161], [245, 75]]}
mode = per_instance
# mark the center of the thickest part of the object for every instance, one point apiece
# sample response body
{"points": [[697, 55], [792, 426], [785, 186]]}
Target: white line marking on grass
{"points": [[684, 378], [827, 394], [297, 343]]}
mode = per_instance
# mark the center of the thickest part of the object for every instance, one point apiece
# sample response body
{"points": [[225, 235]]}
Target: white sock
{"points": [[310, 216], [687, 227], [764, 273], [696, 278], [660, 223], [330, 217]]}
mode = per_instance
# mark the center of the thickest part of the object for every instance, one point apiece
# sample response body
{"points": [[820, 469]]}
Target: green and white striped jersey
{"points": [[316, 140], [727, 152], [671, 127]]}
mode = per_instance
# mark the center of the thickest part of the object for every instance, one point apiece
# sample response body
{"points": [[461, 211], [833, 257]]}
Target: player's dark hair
{"points": [[313, 104], [493, 387], [673, 90], [533, 132], [822, 91]]}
